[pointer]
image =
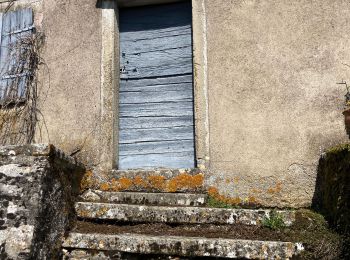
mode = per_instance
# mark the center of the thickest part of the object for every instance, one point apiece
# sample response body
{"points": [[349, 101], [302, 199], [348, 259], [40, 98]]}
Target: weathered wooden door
{"points": [[156, 122]]}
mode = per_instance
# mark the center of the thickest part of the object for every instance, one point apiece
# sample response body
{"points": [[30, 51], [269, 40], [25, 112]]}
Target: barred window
{"points": [[16, 30]]}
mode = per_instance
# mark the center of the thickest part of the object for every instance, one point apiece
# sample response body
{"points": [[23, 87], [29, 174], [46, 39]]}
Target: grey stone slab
{"points": [[25, 154], [200, 215], [144, 198], [29, 150], [90, 254], [38, 188], [165, 172], [184, 246]]}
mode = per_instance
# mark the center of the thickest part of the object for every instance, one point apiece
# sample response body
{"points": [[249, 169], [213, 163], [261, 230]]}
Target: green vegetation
{"points": [[274, 221], [332, 194], [214, 203], [311, 229], [339, 148]]}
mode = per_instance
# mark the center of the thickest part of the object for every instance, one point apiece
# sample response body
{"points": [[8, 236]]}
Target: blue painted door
{"points": [[156, 121]]}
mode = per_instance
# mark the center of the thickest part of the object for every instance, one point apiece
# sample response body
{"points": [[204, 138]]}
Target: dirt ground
{"points": [[208, 231], [309, 228]]}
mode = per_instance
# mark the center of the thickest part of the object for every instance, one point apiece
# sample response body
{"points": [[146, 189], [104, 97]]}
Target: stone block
{"points": [[38, 186], [187, 215]]}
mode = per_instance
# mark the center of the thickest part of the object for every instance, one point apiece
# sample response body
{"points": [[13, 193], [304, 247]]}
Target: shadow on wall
{"points": [[99, 3], [103, 4], [332, 194]]}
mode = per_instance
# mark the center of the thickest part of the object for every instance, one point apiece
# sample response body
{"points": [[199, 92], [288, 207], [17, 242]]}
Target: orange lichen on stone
{"points": [[172, 186], [255, 191], [185, 181], [252, 200], [197, 180], [276, 189], [233, 201], [221, 198], [279, 187], [124, 183], [212, 191], [140, 183], [156, 182], [181, 182], [83, 213], [101, 212], [227, 200], [114, 186], [105, 186], [87, 181]]}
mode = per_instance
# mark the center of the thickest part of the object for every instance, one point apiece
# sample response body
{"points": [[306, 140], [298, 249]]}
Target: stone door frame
{"points": [[110, 80]]}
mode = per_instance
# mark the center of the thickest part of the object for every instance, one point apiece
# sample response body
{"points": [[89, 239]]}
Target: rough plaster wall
{"points": [[70, 93], [274, 103], [35, 4]]}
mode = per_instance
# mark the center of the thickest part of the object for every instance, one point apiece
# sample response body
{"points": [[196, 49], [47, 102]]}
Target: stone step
{"points": [[144, 198], [157, 180], [105, 246], [167, 173], [163, 214]]}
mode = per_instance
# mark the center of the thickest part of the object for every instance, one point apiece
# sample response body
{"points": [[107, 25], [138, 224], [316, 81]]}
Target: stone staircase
{"points": [[162, 225]]}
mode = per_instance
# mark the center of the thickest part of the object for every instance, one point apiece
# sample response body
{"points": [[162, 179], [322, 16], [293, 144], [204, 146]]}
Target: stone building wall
{"points": [[270, 72], [69, 100], [274, 105]]}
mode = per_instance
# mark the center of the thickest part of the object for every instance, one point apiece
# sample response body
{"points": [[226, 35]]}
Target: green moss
{"points": [[338, 148], [333, 188], [214, 203], [311, 229], [332, 199]]}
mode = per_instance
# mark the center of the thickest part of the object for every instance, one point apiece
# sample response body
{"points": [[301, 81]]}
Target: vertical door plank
{"points": [[156, 126]]}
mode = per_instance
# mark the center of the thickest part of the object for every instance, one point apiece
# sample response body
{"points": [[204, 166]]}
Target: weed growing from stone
{"points": [[274, 221]]}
